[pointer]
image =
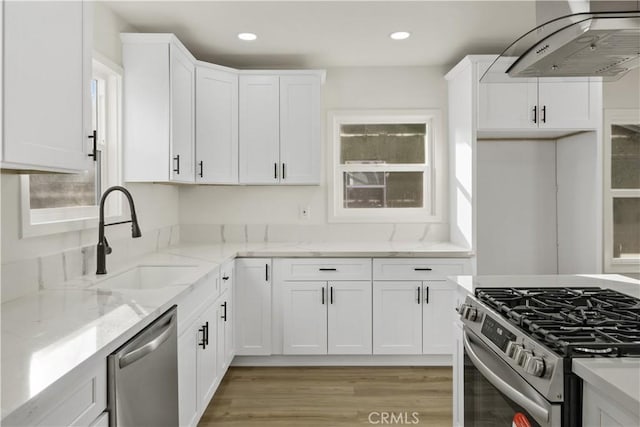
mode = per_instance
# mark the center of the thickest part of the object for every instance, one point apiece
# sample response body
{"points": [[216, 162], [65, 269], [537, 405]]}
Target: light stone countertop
{"points": [[48, 334], [618, 378]]}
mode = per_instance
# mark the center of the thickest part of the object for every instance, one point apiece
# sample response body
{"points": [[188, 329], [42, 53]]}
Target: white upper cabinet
{"points": [[47, 72], [259, 129], [159, 92], [528, 104], [279, 129], [216, 126]]}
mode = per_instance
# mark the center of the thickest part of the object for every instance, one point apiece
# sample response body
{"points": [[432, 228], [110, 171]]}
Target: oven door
{"points": [[496, 396]]}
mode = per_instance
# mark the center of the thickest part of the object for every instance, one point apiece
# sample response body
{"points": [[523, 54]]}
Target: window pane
{"points": [[61, 190], [625, 156], [383, 143], [383, 189], [626, 227]]}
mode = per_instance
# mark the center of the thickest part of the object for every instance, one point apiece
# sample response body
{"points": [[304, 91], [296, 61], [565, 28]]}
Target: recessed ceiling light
{"points": [[400, 35], [247, 36]]}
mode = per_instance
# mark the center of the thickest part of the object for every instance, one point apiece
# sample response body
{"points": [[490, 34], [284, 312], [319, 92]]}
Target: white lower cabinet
{"points": [[397, 317], [599, 410], [304, 317], [253, 302], [438, 316], [349, 321]]}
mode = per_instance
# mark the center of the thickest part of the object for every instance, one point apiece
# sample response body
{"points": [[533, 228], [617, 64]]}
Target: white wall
{"points": [[29, 263], [623, 93], [345, 88]]}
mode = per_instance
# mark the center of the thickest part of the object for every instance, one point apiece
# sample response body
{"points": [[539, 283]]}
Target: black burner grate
{"points": [[587, 321]]}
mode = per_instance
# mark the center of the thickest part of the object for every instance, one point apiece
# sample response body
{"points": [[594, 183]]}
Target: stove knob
{"points": [[516, 352], [463, 310], [511, 348], [472, 314], [535, 366], [525, 357]]}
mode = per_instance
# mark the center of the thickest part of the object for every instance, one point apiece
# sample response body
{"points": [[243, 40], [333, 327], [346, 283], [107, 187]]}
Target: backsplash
{"points": [[29, 275], [257, 233]]}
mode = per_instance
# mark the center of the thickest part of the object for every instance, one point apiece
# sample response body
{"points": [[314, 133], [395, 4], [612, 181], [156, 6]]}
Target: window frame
{"points": [[42, 222], [611, 264], [433, 169]]}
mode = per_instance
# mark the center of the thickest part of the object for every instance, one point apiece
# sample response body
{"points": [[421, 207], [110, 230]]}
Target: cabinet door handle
{"points": [[284, 176], [331, 295], [266, 272], [275, 171], [177, 160], [201, 169], [224, 306], [202, 343], [426, 295], [94, 153], [418, 300], [422, 269], [206, 332], [535, 114], [544, 114], [328, 269], [323, 295], [225, 278]]}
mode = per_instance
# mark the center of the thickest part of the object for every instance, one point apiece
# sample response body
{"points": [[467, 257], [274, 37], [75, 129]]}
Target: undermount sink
{"points": [[149, 277]]}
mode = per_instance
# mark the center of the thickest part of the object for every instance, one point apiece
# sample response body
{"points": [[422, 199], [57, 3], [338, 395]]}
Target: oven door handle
{"points": [[529, 405]]}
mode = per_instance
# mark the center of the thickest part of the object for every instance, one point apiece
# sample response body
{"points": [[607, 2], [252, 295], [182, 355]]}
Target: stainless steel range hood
{"points": [[595, 39]]}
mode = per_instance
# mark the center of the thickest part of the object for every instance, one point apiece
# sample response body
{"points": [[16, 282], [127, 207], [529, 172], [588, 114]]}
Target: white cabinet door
{"points": [[300, 129], [188, 375], [216, 126], [458, 376], [397, 317], [259, 131], [437, 317], [253, 302], [349, 318], [229, 338], [207, 356], [224, 331], [182, 115], [304, 317], [569, 103], [47, 72]]}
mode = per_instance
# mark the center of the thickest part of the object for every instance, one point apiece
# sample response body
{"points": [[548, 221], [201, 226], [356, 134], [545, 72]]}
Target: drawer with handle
{"points": [[325, 268], [417, 268]]}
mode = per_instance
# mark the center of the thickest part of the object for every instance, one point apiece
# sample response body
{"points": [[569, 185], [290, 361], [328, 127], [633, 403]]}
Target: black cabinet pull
{"points": [[224, 316], [201, 169], [266, 272], [323, 295], [206, 333], [426, 295], [331, 295], [275, 171], [94, 154], [328, 269], [225, 278], [284, 176], [422, 269], [203, 342], [419, 287], [535, 114], [544, 114], [177, 160]]}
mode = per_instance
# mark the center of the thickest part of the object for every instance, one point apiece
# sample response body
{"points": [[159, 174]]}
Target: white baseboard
{"points": [[344, 360]]}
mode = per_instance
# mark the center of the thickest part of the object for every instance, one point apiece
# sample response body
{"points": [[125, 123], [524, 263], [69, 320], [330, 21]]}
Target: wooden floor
{"points": [[331, 396]]}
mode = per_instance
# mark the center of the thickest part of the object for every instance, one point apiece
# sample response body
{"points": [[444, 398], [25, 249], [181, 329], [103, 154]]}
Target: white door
{"points": [[216, 126], [506, 103], [47, 72], [438, 315], [182, 116], [207, 356], [397, 317], [224, 331], [300, 129], [253, 301], [304, 317], [229, 349], [259, 129], [188, 375], [569, 103], [349, 318]]}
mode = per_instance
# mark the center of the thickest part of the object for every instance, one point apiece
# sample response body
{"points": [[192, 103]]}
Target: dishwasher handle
{"points": [[157, 338]]}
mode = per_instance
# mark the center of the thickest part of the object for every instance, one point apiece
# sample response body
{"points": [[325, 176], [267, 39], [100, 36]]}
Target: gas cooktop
{"points": [[587, 321]]}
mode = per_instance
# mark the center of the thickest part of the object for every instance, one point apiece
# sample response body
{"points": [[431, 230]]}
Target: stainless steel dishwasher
{"points": [[143, 377]]}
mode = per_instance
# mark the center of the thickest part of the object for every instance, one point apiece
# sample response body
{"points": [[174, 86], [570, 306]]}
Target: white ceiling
{"points": [[322, 34]]}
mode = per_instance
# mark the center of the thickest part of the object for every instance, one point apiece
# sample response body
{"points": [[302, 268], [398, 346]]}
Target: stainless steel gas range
{"points": [[518, 347]]}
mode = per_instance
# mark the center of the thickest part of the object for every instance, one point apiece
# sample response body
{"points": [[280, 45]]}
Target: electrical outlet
{"points": [[305, 212]]}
